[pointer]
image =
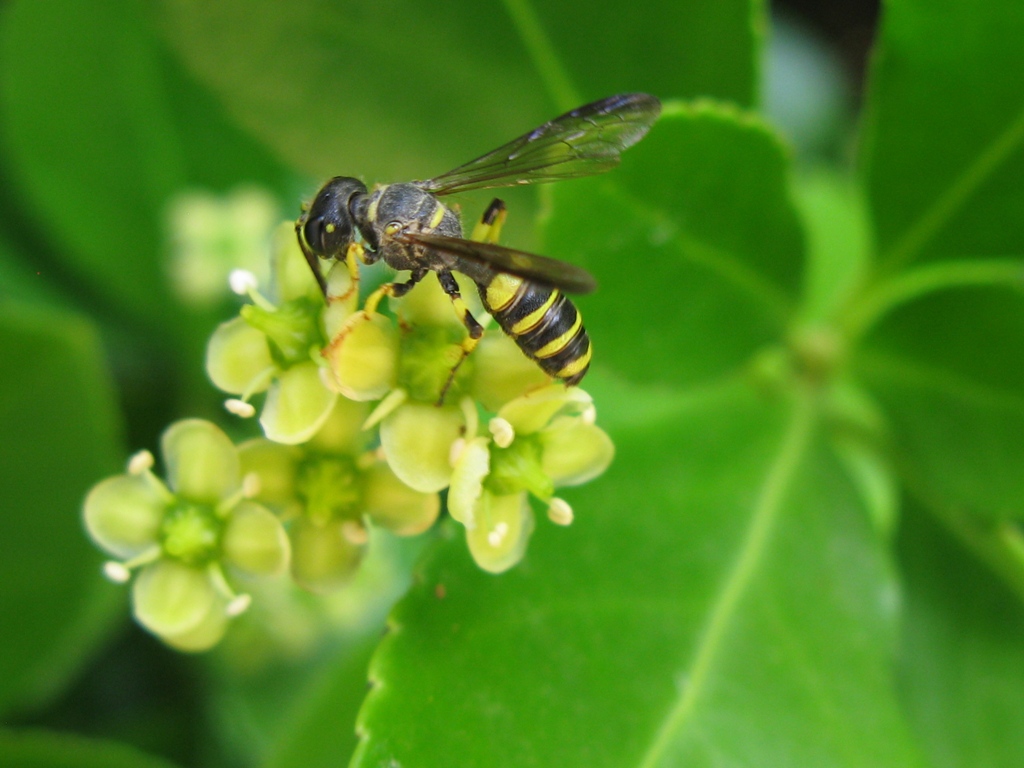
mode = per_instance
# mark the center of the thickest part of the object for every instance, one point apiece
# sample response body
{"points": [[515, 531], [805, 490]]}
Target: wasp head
{"points": [[329, 225]]}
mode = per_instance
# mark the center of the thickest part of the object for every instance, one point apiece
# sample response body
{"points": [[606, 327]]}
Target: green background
{"points": [[809, 353]]}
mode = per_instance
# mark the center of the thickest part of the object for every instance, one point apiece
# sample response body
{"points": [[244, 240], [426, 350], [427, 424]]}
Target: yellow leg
{"points": [[353, 256], [488, 229]]}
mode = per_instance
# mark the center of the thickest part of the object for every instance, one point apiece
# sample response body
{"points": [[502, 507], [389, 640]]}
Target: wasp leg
{"points": [[488, 229], [311, 258], [394, 290], [475, 330]]}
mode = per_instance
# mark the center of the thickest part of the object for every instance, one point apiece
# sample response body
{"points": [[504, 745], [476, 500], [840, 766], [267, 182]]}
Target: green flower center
{"points": [[518, 468], [293, 329], [428, 355], [330, 488], [191, 533]]}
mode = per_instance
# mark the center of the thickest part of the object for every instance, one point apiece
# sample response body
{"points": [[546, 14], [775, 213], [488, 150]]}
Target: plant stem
{"points": [[915, 283]]}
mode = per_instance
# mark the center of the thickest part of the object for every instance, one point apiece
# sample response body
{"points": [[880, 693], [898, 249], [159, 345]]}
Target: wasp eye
{"points": [[313, 233]]}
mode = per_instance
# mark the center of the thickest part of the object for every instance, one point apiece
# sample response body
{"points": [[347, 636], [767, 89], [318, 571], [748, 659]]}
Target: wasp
{"points": [[409, 228]]}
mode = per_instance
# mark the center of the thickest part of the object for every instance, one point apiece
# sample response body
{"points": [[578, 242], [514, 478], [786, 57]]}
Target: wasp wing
{"points": [[587, 140], [538, 269]]}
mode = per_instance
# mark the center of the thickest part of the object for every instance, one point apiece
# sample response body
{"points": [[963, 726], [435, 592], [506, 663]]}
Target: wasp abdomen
{"points": [[543, 322]]}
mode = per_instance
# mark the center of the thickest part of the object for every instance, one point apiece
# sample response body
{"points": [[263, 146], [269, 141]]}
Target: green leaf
{"points": [[40, 749], [944, 149], [90, 140], [314, 82], [695, 243], [954, 395], [960, 663], [59, 435], [693, 49], [320, 731], [719, 600], [832, 210]]}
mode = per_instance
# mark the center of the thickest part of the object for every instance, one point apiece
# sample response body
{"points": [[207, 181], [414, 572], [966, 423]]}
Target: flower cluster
{"points": [[367, 416]]}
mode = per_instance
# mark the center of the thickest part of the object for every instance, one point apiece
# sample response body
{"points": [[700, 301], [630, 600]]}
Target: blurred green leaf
{"points": [[960, 663], [694, 241], [58, 435], [832, 211], [320, 731], [39, 749], [953, 391], [89, 137], [944, 148], [313, 80], [694, 49], [719, 600]]}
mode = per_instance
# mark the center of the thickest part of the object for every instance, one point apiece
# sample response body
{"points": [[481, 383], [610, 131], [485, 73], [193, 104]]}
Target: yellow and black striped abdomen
{"points": [[543, 322]]}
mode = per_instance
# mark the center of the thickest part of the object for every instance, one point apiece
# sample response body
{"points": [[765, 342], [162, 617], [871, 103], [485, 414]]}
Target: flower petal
{"points": [[468, 476], [123, 514], [274, 465], [202, 637], [503, 528], [237, 358], [574, 451], [170, 599], [254, 540], [363, 357], [202, 464], [429, 305], [297, 405], [292, 276], [343, 432], [417, 441], [501, 372], [392, 504], [323, 560], [532, 412]]}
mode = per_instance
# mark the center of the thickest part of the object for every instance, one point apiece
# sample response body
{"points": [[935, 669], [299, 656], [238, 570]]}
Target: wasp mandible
{"points": [[410, 229]]}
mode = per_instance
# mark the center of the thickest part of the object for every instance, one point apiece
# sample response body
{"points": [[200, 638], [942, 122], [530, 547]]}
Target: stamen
{"points": [[121, 572], [140, 462], [503, 431], [116, 572], [251, 485], [239, 408], [238, 605], [469, 413], [242, 281], [559, 512], [458, 446], [355, 532], [386, 406], [494, 538], [589, 415]]}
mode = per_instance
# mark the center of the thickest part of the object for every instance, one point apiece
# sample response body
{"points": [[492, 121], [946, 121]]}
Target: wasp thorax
{"points": [[330, 224]]}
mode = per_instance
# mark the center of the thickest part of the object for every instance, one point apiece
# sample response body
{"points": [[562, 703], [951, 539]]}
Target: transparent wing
{"points": [[538, 269], [587, 140]]}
